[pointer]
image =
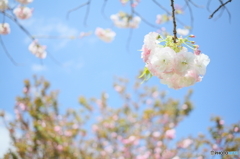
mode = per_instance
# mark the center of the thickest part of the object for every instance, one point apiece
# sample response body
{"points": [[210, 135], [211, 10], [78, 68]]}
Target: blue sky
{"points": [[89, 64]]}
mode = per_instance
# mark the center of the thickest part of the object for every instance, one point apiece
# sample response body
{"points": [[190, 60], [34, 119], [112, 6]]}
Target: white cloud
{"points": [[38, 68], [51, 28]]}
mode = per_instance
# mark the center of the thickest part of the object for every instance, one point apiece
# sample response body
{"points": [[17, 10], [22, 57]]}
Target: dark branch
{"points": [[7, 53], [222, 5], [224, 8], [174, 22]]}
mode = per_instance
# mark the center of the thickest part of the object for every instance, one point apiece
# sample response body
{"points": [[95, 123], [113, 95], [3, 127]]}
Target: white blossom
{"points": [[4, 28], [23, 12], [3, 5], [38, 50], [106, 35]]}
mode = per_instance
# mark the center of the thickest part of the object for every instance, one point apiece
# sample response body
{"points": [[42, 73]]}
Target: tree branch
{"points": [[174, 22]]}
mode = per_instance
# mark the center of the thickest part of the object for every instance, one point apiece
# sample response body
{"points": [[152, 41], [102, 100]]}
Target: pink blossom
{"points": [[59, 147], [23, 12], [156, 134], [185, 143], [236, 129], [221, 122], [170, 134], [57, 128], [4, 28]]}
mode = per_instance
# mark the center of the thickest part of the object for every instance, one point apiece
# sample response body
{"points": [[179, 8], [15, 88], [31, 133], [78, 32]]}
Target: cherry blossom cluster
{"points": [[106, 35], [38, 50], [124, 20], [171, 62]]}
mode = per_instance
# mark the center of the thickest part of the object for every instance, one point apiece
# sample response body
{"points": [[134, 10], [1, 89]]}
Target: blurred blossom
{"points": [[59, 147], [106, 35], [236, 129], [57, 128], [157, 150], [95, 128], [4, 28], [155, 94], [221, 122], [170, 134], [215, 147], [23, 12], [25, 1], [186, 143], [75, 126], [159, 143], [184, 106], [118, 88], [156, 134], [176, 157], [21, 106], [171, 125], [68, 133], [3, 5]]}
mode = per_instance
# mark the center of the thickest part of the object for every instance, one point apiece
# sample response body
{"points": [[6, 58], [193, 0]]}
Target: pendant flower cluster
{"points": [[38, 50], [172, 62]]}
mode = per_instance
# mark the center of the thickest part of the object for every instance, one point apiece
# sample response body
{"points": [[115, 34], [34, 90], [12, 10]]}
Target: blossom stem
{"points": [[174, 22]]}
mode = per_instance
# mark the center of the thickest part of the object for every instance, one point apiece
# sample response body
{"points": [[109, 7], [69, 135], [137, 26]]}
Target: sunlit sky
{"points": [[89, 64]]}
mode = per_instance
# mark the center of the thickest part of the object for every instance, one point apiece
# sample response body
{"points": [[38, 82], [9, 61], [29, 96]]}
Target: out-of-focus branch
{"points": [[191, 13], [169, 13], [20, 26], [103, 8], [78, 7], [7, 53], [174, 22], [208, 4], [54, 59], [222, 5], [145, 21]]}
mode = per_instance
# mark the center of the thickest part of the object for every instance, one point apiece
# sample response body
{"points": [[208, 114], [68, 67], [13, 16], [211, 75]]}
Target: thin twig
{"points": [[78, 7], [174, 22], [87, 13], [191, 13], [103, 8], [208, 5], [222, 5], [20, 26], [144, 20], [129, 39], [8, 54], [54, 59], [197, 6]]}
